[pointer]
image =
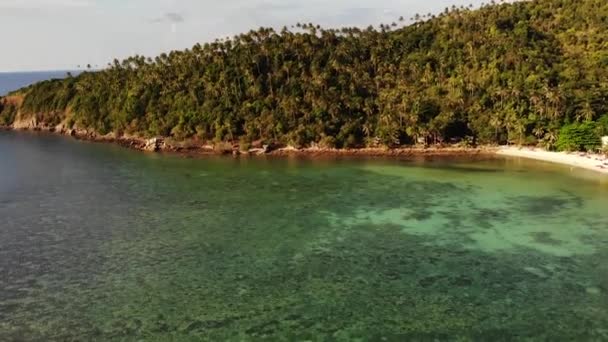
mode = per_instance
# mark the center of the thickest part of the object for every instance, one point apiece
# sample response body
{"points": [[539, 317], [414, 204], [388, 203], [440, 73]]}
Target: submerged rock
{"points": [[461, 281], [430, 280], [537, 272]]}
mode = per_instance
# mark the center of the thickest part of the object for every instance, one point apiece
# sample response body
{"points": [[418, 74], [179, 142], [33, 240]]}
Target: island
{"points": [[290, 235], [529, 73]]}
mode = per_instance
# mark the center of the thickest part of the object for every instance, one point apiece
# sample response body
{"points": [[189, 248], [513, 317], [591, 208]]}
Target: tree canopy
{"points": [[509, 72]]}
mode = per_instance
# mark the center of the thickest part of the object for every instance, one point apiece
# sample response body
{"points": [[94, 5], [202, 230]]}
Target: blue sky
{"points": [[61, 34]]}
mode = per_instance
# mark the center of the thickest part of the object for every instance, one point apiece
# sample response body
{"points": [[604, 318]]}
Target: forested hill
{"points": [[504, 73]]}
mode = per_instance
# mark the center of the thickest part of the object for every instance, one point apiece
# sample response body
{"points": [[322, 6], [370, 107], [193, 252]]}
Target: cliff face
{"points": [[12, 117], [24, 124]]}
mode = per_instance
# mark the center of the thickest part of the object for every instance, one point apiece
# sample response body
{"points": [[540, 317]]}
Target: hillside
{"points": [[519, 73]]}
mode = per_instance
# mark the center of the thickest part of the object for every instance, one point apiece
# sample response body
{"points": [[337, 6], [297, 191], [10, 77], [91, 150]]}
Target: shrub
{"points": [[244, 144], [327, 142], [298, 138], [7, 114], [530, 140], [602, 125], [351, 141], [223, 147], [579, 137]]}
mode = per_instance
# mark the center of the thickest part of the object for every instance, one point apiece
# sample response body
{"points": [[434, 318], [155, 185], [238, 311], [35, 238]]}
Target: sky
{"points": [[63, 34]]}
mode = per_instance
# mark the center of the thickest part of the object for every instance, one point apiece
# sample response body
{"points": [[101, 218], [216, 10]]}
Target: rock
{"points": [[153, 145], [24, 124], [289, 148], [61, 128], [537, 272], [258, 151], [461, 281], [428, 281], [270, 147]]}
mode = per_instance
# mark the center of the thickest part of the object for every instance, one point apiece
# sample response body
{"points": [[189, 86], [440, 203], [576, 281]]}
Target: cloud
{"points": [[266, 6], [43, 35], [37, 4], [174, 17], [169, 17]]}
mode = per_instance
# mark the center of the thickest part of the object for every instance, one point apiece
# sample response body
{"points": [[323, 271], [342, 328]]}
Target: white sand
{"points": [[588, 161]]}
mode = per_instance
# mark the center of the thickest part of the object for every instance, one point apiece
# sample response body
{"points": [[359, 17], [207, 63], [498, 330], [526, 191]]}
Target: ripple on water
{"points": [[225, 249]]}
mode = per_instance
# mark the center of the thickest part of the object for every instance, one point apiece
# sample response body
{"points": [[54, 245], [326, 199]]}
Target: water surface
{"points": [[102, 243], [10, 81]]}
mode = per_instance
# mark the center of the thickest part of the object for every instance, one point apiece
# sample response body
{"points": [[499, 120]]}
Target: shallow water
{"points": [[102, 243]]}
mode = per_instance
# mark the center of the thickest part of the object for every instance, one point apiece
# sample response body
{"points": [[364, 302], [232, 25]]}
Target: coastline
{"points": [[594, 162], [197, 148], [588, 161]]}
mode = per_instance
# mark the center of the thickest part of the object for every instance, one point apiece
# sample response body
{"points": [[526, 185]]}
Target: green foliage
{"points": [[602, 125], [8, 113], [327, 142], [506, 72], [579, 137], [244, 144], [223, 147]]}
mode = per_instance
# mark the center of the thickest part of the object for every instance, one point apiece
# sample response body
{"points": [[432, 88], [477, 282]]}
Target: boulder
{"points": [[270, 147], [153, 145], [257, 151]]}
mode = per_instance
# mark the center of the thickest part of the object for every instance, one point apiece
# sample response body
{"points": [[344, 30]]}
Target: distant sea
{"points": [[10, 81]]}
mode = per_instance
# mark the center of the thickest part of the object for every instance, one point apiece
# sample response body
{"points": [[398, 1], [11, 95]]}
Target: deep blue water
{"points": [[10, 81]]}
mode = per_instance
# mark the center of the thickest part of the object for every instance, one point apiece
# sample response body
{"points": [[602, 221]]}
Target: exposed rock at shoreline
{"points": [[26, 124], [153, 145], [593, 162], [257, 148], [159, 144]]}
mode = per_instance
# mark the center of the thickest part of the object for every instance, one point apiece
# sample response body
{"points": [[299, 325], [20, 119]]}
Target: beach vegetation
{"points": [[8, 113], [523, 73], [579, 137]]}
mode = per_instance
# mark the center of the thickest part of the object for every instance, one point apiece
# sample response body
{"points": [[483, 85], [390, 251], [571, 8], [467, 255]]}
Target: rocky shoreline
{"points": [[194, 148]]}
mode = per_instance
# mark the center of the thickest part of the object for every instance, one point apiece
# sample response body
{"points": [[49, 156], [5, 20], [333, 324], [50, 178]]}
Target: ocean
{"points": [[10, 81], [101, 243]]}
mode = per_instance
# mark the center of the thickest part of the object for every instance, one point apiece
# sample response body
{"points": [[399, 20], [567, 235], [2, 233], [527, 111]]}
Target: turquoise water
{"points": [[102, 243]]}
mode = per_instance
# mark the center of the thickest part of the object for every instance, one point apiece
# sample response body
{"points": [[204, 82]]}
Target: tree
{"points": [[508, 72]]}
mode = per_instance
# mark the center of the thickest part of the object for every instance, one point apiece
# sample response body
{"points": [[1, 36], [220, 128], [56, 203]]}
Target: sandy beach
{"points": [[595, 162], [589, 161]]}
